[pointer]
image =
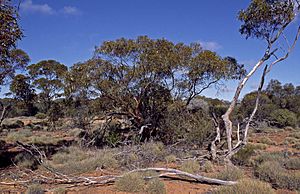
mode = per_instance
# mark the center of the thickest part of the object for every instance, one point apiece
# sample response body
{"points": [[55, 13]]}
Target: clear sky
{"points": [[68, 30]]}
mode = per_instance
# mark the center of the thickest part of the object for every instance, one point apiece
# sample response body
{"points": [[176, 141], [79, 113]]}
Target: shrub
{"points": [[153, 152], [43, 140], [133, 182], [60, 190], [291, 140], [25, 160], [283, 117], [35, 189], [295, 135], [273, 173], [243, 156], [207, 167], [231, 173], [246, 186], [41, 116], [75, 160], [293, 164], [191, 166], [21, 135], [155, 186], [170, 158], [273, 156], [266, 140]]}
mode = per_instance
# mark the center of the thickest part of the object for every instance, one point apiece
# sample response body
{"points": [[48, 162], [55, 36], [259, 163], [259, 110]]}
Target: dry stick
{"points": [[213, 146]]}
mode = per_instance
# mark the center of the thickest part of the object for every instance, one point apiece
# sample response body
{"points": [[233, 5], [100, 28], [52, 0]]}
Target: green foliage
{"points": [[35, 189], [266, 140], [48, 76], [40, 115], [246, 186], [60, 190], [231, 173], [155, 186], [273, 156], [263, 19], [274, 173], [182, 124], [170, 158], [25, 160], [293, 164], [11, 59], [207, 167], [75, 160], [191, 166], [283, 117], [132, 182], [21, 136], [242, 157]]}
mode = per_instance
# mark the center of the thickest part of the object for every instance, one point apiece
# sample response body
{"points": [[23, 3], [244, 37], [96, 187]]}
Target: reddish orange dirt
{"points": [[172, 186]]}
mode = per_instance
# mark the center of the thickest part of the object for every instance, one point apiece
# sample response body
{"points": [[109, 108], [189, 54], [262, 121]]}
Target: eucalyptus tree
{"points": [[141, 77], [11, 58], [48, 77], [23, 91], [266, 20]]}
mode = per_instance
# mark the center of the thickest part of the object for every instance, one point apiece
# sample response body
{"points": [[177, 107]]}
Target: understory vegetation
{"points": [[134, 118]]}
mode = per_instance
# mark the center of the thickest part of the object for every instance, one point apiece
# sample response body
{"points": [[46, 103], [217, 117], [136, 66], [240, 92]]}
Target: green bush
{"points": [[266, 140], [246, 186], [133, 182], [191, 166], [207, 167], [41, 116], [273, 156], [231, 173], [22, 135], [170, 158], [283, 118], [155, 186], [242, 157], [35, 189], [75, 160], [293, 164], [25, 160], [273, 173]]}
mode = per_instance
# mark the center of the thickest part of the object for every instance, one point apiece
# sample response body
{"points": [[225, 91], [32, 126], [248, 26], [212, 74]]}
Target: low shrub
{"points": [[293, 164], [231, 173], [246, 186], [75, 160], [155, 186], [283, 118], [35, 189], [21, 135], [40, 116], [273, 156], [153, 152], [207, 167], [191, 166], [133, 182], [170, 158], [25, 160], [295, 135], [266, 140], [273, 173], [291, 140], [60, 190], [242, 157]]}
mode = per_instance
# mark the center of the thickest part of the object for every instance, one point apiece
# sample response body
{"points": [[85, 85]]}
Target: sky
{"points": [[69, 30]]}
